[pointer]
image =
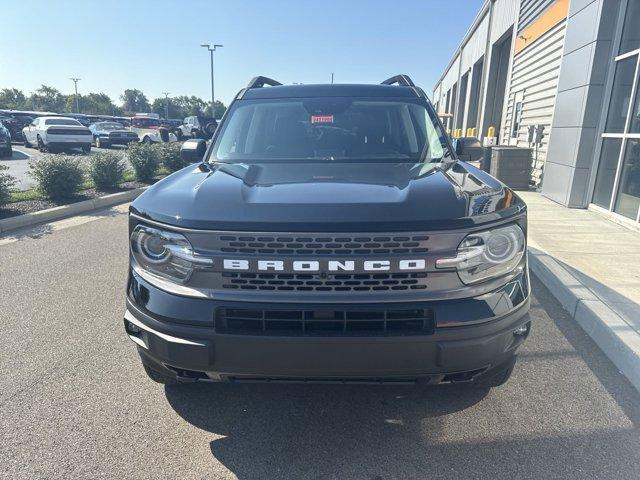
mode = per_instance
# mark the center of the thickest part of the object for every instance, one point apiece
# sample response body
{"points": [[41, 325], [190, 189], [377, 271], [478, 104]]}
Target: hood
{"points": [[328, 197], [118, 130]]}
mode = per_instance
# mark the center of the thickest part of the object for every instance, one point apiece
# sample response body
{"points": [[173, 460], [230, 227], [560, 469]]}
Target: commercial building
{"points": [[562, 78]]}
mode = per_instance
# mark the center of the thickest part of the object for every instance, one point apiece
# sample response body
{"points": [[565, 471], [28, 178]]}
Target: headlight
{"points": [[488, 254], [166, 254]]}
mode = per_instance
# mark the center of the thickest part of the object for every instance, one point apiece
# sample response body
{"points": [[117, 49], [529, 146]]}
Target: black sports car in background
{"points": [[106, 134]]}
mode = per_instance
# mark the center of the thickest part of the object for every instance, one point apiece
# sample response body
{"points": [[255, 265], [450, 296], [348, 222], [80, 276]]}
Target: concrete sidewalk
{"points": [[592, 266]]}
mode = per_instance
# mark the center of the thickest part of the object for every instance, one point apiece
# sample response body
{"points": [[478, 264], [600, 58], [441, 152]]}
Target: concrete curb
{"points": [[64, 211], [617, 339]]}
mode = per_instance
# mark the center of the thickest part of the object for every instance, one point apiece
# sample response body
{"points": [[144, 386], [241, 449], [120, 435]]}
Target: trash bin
{"points": [[511, 165]]}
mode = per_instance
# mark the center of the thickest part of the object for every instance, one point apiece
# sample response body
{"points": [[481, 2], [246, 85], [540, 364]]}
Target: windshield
{"points": [[145, 122], [329, 129], [61, 121], [110, 126]]}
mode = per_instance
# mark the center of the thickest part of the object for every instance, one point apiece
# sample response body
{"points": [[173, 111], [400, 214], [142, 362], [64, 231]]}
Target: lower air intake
{"points": [[242, 321]]}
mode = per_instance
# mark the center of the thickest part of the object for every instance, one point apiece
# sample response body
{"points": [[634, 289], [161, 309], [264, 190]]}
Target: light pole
{"points": [[75, 81], [213, 98], [166, 105]]}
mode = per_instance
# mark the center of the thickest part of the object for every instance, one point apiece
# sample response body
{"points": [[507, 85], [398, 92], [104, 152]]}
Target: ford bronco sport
{"points": [[329, 234]]}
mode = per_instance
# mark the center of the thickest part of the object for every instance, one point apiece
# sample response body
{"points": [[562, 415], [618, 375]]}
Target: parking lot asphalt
{"points": [[75, 403], [19, 163]]}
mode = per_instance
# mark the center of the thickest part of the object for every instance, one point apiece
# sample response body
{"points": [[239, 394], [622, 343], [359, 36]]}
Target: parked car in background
{"points": [[57, 133], [83, 119], [198, 126], [106, 134], [5, 142], [150, 129], [15, 122]]}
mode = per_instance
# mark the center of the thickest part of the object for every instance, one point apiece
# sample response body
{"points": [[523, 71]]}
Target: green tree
{"points": [[93, 104], [191, 105], [218, 110], [133, 101], [47, 99], [175, 110], [13, 99]]}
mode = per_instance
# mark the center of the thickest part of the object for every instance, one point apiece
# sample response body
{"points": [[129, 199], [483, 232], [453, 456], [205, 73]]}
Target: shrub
{"points": [[170, 157], [58, 176], [106, 170], [145, 159], [6, 182]]}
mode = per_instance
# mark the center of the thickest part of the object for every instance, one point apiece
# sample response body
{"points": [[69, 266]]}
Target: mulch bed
{"points": [[30, 206]]}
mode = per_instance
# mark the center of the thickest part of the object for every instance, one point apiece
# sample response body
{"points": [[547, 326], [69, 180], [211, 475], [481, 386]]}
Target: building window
{"points": [[628, 198], [631, 33], [620, 95], [606, 176], [617, 183]]}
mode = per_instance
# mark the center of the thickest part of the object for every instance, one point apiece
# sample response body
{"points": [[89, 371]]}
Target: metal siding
{"points": [[505, 13], [530, 10], [474, 48], [535, 72]]}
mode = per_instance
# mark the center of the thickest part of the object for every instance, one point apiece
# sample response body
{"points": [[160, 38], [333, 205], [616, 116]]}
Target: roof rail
{"points": [[259, 82], [404, 80]]}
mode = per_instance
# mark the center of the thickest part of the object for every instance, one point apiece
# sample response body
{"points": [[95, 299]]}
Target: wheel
{"points": [[41, 146], [178, 134], [86, 148], [194, 134], [210, 128], [6, 153], [159, 377], [498, 376], [26, 143], [147, 140]]}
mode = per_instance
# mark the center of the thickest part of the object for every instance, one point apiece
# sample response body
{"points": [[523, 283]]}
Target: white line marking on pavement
{"points": [[36, 231]]}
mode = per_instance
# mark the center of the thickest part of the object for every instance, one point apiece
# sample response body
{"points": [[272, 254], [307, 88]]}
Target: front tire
{"points": [[86, 149], [26, 142], [159, 377], [41, 146], [147, 141]]}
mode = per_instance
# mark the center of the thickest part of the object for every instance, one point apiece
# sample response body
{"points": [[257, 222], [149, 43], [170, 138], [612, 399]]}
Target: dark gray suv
{"points": [[328, 234]]}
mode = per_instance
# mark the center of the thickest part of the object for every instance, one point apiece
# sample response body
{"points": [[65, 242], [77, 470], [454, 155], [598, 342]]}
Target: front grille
{"points": [[323, 245], [325, 283], [121, 135], [391, 322], [68, 131]]}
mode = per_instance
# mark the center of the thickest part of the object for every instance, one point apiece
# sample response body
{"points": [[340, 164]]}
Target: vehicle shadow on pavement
{"points": [[618, 387], [567, 413], [300, 431]]}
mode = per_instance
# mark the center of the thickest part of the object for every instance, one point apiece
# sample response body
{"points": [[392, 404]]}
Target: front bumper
{"points": [[119, 140], [67, 144], [192, 350]]}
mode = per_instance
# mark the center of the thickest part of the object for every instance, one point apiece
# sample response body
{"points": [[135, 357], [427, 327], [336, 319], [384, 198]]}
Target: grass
{"points": [[35, 194]]}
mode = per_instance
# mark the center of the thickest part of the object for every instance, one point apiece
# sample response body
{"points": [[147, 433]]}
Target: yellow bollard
{"points": [[491, 132]]}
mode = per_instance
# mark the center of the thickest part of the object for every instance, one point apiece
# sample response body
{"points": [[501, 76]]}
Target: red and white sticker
{"points": [[321, 118]]}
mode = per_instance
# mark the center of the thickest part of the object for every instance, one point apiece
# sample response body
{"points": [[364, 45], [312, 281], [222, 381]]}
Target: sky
{"points": [[154, 46]]}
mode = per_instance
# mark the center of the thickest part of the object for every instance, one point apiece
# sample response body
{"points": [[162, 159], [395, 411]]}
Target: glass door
{"points": [[617, 183]]}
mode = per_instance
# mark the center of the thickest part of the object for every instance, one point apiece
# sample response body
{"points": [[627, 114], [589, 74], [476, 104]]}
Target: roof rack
{"points": [[259, 82], [403, 80]]}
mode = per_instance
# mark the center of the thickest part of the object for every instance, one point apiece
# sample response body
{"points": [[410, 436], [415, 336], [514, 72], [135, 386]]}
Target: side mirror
{"points": [[468, 149], [193, 150]]}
